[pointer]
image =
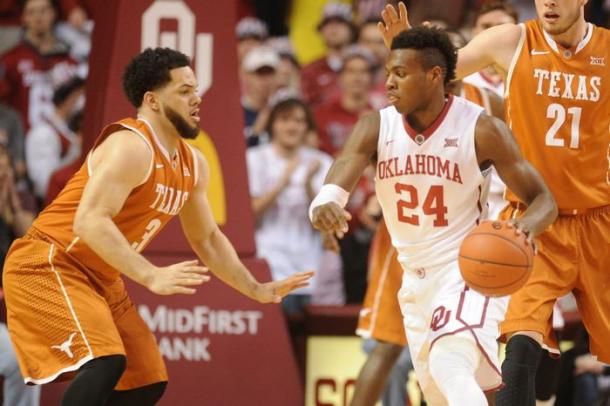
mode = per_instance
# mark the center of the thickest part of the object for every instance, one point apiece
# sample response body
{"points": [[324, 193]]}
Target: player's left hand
{"points": [[273, 292]]}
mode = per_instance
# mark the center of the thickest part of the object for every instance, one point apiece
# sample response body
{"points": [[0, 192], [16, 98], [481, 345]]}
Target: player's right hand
{"points": [[393, 23], [330, 217], [178, 278]]}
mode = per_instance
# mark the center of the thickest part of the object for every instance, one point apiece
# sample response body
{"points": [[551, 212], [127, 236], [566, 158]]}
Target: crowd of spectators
{"points": [[297, 116], [43, 66]]}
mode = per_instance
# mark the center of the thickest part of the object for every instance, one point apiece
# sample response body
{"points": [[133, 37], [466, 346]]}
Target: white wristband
{"points": [[329, 193]]}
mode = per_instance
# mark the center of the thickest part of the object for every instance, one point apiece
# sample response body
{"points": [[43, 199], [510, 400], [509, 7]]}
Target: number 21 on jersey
{"points": [[434, 204], [557, 112]]}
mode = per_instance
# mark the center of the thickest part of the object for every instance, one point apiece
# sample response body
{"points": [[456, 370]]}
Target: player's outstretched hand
{"points": [[273, 292], [393, 22], [330, 217], [180, 278]]}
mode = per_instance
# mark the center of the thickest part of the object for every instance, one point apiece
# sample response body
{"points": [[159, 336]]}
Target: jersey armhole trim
{"points": [[514, 60], [195, 164]]}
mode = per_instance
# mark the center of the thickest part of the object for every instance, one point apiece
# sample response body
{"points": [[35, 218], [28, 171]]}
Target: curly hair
{"points": [[150, 71], [434, 46]]}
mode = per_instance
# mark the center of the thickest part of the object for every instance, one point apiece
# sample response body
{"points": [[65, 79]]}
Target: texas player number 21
{"points": [[557, 112], [434, 204]]}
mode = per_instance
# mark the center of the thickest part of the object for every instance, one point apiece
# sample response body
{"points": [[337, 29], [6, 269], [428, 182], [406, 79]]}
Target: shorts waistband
{"points": [[569, 212]]}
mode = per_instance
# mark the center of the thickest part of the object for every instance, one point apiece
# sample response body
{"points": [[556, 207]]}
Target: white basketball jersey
{"points": [[429, 185]]}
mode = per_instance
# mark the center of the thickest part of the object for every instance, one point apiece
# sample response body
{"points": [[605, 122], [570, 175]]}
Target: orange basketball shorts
{"points": [[380, 317], [60, 316], [573, 256]]}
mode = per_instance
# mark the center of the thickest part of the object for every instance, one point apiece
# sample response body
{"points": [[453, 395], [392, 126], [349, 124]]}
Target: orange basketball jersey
{"points": [[558, 106], [148, 207], [476, 95]]}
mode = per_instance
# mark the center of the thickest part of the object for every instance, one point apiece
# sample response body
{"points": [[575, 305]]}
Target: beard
{"points": [[180, 124]]}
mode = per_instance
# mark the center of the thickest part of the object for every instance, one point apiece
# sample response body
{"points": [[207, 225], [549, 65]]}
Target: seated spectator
{"points": [[30, 71], [12, 136], [258, 71], [284, 176], [335, 118], [251, 33], [318, 79], [51, 144]]}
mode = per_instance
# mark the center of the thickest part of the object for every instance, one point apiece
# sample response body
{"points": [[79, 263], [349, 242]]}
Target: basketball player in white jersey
{"points": [[433, 152]]}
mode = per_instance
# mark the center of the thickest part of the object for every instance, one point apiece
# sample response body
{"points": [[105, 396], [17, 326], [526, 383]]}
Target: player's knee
{"points": [[111, 366], [453, 358], [453, 361], [524, 350], [452, 355]]}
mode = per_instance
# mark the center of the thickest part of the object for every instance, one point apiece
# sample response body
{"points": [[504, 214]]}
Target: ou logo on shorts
{"points": [[440, 318]]}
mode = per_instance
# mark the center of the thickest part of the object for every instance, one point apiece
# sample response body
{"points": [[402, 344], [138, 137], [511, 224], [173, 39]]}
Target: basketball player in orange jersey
{"points": [[433, 153], [558, 106], [68, 311]]}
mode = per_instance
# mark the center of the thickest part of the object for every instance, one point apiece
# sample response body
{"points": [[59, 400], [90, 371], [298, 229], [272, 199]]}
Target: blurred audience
{"points": [[579, 380], [258, 80], [288, 74], [284, 177], [337, 30], [14, 222], [489, 15], [30, 71], [12, 137], [370, 38], [336, 117], [52, 144], [251, 33]]}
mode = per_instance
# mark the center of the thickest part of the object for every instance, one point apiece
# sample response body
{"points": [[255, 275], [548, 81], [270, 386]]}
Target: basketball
{"points": [[494, 260]]}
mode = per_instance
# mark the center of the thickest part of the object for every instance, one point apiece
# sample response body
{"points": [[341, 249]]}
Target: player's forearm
{"points": [[105, 239], [218, 254]]}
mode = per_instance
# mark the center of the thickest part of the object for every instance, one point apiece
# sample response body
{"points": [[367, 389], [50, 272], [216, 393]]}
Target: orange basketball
{"points": [[494, 260]]}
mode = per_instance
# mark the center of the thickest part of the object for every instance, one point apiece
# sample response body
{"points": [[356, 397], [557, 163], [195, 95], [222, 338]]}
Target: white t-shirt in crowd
{"points": [[284, 234]]}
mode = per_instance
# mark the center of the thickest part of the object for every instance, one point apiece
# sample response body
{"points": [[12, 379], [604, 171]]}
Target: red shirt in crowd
{"points": [[334, 124], [10, 10], [28, 79], [319, 81], [60, 179]]}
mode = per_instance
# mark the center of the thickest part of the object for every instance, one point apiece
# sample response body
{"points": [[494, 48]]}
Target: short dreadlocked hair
{"points": [[150, 71], [434, 46]]}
